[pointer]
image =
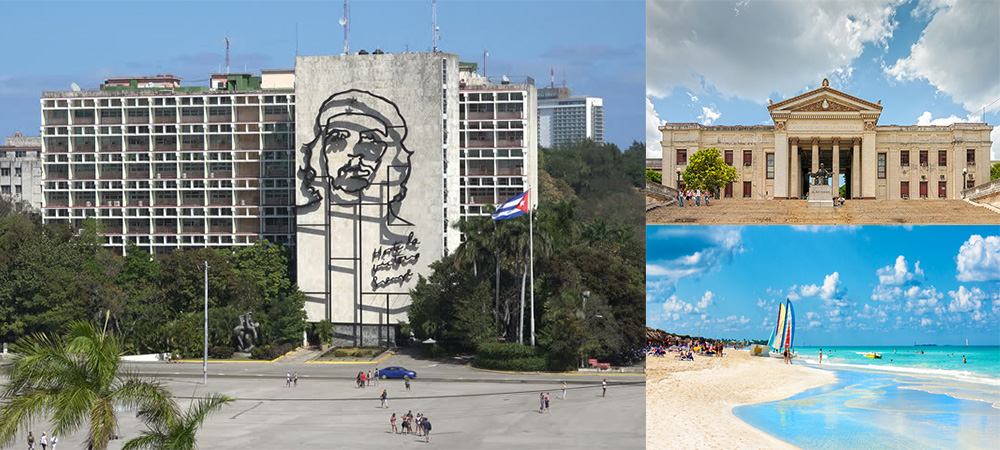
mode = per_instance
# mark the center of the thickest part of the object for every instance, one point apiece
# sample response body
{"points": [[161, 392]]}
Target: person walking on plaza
{"points": [[689, 193], [295, 379], [547, 399], [385, 399], [564, 390], [54, 441], [44, 440], [288, 379], [375, 373], [392, 421], [369, 378], [31, 441], [697, 197], [406, 381], [426, 424], [680, 198], [541, 402], [364, 381], [707, 196], [604, 387]]}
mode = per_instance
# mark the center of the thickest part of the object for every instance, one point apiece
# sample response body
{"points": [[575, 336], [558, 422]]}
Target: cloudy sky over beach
{"points": [[849, 285], [931, 62]]}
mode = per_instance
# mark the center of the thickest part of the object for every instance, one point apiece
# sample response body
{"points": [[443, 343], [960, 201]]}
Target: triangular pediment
{"points": [[825, 99]]}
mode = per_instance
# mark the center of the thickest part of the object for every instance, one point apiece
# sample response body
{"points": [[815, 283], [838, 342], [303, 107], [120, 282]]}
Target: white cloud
{"points": [[928, 119], [709, 115], [705, 45], [829, 291], [706, 249], [706, 301], [979, 259], [694, 98], [966, 300], [761, 303], [923, 300], [674, 305], [653, 134], [925, 322], [948, 43], [814, 324], [900, 274]]}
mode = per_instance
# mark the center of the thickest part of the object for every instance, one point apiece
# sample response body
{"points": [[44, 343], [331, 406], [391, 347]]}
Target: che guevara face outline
{"points": [[361, 144]]}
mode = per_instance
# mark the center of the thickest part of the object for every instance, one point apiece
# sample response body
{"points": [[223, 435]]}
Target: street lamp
{"points": [[204, 367], [583, 315], [679, 171], [965, 184]]}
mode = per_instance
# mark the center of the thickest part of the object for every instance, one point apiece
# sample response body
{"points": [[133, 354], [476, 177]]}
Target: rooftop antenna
{"points": [[435, 35], [552, 77], [564, 78], [485, 54], [227, 52], [347, 27]]}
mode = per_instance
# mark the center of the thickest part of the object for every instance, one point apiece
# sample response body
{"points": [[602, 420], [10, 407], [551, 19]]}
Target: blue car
{"points": [[395, 372]]}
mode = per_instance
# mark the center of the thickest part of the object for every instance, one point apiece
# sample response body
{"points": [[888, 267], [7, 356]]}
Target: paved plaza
{"points": [[796, 212], [468, 408]]}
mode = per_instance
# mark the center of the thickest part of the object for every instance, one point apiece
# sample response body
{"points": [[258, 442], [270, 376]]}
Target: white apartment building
{"points": [[21, 169], [565, 119], [166, 166], [499, 148]]}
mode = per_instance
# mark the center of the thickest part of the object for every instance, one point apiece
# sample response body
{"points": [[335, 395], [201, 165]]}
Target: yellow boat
{"points": [[873, 355]]}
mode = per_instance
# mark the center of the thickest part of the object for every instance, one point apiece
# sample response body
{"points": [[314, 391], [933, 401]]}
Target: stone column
{"points": [[869, 162], [815, 162], [796, 175], [780, 166], [856, 169], [835, 182]]}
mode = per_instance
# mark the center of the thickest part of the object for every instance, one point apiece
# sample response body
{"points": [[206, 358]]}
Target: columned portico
{"points": [[796, 175], [856, 169], [815, 155], [836, 167]]}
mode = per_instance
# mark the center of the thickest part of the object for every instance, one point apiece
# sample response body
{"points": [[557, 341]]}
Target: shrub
{"points": [[654, 176], [220, 352], [261, 352], [509, 356]]}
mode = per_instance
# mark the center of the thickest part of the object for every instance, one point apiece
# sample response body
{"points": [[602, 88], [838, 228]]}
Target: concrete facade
{"points": [[840, 133], [21, 169], [167, 167], [375, 169]]}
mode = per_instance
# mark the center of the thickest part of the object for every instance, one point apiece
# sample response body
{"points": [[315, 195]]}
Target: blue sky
{"points": [[48, 45], [931, 62], [879, 285]]}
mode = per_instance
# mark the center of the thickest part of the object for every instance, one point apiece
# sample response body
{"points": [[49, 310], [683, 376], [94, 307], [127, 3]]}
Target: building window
{"points": [[682, 157], [904, 158], [17, 190], [747, 157], [923, 189], [943, 158], [904, 189], [729, 190], [942, 189], [923, 158], [881, 165], [970, 156], [729, 158], [747, 189], [17, 171], [770, 166], [5, 172]]}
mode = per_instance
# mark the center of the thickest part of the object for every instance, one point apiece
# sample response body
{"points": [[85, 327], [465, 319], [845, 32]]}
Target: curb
{"points": [[377, 361], [224, 361]]}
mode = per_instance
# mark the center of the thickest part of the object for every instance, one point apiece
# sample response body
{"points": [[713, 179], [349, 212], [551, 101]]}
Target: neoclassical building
{"points": [[828, 128]]}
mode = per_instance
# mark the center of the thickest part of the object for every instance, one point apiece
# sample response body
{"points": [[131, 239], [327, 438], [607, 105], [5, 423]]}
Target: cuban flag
{"points": [[515, 207]]}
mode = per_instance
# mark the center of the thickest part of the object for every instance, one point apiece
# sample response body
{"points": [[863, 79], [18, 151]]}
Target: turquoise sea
{"points": [[906, 400]]}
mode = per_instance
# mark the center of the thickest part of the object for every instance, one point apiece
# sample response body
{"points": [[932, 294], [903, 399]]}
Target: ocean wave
{"points": [[959, 375]]}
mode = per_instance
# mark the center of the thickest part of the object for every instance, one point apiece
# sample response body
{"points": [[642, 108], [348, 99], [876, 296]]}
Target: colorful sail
{"points": [[791, 324], [779, 330]]}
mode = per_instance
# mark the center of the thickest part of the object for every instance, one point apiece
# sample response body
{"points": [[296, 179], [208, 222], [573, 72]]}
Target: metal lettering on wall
{"points": [[357, 166], [822, 125]]}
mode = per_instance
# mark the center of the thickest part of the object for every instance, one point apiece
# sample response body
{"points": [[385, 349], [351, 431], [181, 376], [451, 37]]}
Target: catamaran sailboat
{"points": [[783, 332]]}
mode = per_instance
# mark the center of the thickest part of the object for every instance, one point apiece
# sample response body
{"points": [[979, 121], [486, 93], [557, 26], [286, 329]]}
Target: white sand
{"points": [[689, 404]]}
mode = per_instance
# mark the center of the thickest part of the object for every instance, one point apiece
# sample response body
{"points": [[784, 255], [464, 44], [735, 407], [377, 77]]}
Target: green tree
{"points": [[707, 170], [74, 380], [168, 429], [654, 176], [995, 171], [843, 191]]}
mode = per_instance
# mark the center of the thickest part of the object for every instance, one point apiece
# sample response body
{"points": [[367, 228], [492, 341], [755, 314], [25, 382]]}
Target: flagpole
{"points": [[531, 252]]}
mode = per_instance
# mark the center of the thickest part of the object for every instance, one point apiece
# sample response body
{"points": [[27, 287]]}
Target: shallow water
{"points": [[875, 409]]}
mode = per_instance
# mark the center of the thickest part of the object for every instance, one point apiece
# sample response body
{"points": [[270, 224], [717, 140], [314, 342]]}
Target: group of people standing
{"points": [[368, 379], [419, 425], [694, 195], [44, 441]]}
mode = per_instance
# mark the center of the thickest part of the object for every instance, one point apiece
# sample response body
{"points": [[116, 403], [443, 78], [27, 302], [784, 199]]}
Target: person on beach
{"points": [[963, 359], [385, 399], [785, 354], [604, 387], [821, 356], [392, 422], [564, 390]]}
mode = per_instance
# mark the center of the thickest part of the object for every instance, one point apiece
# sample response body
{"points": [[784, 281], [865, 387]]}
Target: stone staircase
{"points": [[854, 212]]}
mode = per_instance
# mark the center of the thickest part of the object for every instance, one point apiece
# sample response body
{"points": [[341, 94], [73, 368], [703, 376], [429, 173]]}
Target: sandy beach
{"points": [[689, 404]]}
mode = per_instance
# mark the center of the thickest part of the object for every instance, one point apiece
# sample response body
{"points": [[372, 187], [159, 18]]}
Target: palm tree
{"points": [[74, 380], [167, 429]]}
